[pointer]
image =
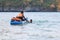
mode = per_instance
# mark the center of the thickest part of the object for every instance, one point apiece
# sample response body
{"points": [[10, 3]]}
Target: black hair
{"points": [[21, 11]]}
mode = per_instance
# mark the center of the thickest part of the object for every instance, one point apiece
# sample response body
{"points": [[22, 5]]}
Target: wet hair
{"points": [[21, 11]]}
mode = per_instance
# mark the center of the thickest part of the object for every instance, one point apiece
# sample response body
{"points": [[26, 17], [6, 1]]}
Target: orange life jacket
{"points": [[17, 19]]}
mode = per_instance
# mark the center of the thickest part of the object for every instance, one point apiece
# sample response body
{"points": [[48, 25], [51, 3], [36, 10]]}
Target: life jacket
{"points": [[17, 19]]}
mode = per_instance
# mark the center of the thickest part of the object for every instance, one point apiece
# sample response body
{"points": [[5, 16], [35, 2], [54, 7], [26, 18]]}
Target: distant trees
{"points": [[23, 4], [58, 5]]}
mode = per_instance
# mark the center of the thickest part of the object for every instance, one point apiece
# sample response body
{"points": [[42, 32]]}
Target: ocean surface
{"points": [[45, 26]]}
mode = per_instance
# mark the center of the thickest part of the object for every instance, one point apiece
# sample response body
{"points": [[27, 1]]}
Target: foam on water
{"points": [[45, 26]]}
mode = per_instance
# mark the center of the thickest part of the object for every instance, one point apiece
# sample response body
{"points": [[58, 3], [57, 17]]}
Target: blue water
{"points": [[45, 26]]}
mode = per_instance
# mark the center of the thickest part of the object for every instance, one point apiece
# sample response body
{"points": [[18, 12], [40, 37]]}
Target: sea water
{"points": [[45, 26]]}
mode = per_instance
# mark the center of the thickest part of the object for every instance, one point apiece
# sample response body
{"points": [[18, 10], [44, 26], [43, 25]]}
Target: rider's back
{"points": [[20, 15]]}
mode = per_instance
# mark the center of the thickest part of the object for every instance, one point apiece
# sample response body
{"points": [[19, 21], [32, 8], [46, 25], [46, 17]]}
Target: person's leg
{"points": [[12, 20], [18, 20]]}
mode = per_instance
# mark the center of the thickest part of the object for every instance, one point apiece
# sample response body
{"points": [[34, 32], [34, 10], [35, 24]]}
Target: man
{"points": [[20, 17]]}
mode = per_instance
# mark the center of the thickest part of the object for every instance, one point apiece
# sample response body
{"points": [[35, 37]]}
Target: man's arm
{"points": [[25, 19]]}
